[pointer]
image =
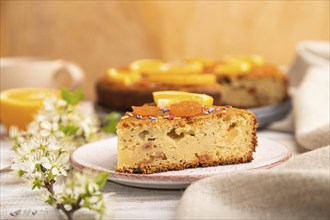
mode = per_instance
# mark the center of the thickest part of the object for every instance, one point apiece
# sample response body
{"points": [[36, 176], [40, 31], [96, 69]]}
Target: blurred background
{"points": [[102, 34]]}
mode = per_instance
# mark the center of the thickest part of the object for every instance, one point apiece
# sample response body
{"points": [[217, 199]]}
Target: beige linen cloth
{"points": [[297, 189]]}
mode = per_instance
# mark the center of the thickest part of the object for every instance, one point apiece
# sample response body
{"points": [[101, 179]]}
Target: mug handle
{"points": [[76, 73]]}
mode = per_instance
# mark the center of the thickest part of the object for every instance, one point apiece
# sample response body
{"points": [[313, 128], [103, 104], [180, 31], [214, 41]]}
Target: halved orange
{"points": [[18, 106], [167, 98]]}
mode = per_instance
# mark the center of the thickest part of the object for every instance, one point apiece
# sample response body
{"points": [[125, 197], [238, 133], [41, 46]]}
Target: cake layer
{"points": [[120, 97], [154, 144]]}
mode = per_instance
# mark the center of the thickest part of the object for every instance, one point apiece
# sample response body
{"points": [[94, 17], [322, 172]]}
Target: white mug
{"points": [[36, 72]]}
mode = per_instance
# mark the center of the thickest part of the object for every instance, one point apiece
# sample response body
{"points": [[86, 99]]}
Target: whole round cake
{"points": [[122, 88], [239, 81]]}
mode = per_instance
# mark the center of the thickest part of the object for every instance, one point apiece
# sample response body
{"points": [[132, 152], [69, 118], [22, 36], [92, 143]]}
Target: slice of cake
{"points": [[186, 134]]}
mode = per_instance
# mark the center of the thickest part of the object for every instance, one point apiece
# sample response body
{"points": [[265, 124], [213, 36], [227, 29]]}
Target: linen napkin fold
{"points": [[297, 189]]}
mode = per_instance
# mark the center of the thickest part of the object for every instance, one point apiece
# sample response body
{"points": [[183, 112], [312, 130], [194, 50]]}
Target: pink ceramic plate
{"points": [[102, 156]]}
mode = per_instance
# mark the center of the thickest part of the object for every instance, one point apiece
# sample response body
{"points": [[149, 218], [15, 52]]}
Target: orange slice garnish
{"points": [[153, 66], [206, 62], [165, 99], [233, 67], [146, 66], [183, 79], [126, 77], [253, 59]]}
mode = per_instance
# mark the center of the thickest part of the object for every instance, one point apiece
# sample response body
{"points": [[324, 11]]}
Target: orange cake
{"points": [[240, 81], [249, 82], [184, 131], [119, 89]]}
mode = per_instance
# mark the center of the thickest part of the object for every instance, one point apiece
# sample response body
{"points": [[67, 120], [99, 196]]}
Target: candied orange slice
{"points": [[145, 110], [186, 109], [146, 66], [167, 98], [126, 77], [153, 66], [253, 59], [233, 67], [183, 79], [181, 67], [206, 62]]}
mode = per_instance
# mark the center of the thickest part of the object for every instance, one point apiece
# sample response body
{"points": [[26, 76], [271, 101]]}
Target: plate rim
{"points": [[162, 179]]}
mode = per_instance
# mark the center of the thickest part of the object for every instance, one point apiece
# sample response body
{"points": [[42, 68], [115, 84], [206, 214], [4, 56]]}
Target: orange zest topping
{"points": [[145, 110], [186, 109]]}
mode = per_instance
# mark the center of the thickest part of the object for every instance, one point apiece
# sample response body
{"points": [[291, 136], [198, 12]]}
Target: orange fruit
{"points": [[18, 106]]}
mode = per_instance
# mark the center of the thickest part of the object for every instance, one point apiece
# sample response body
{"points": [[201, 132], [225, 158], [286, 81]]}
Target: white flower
{"points": [[55, 171], [46, 125], [14, 132], [43, 159], [60, 119], [45, 152], [63, 171], [47, 165], [92, 187], [61, 103]]}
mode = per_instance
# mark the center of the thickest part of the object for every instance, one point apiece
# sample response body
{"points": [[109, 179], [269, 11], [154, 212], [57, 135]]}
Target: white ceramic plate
{"points": [[102, 156]]}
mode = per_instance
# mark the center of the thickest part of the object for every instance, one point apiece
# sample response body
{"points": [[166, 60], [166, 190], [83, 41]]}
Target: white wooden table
{"points": [[18, 201]]}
